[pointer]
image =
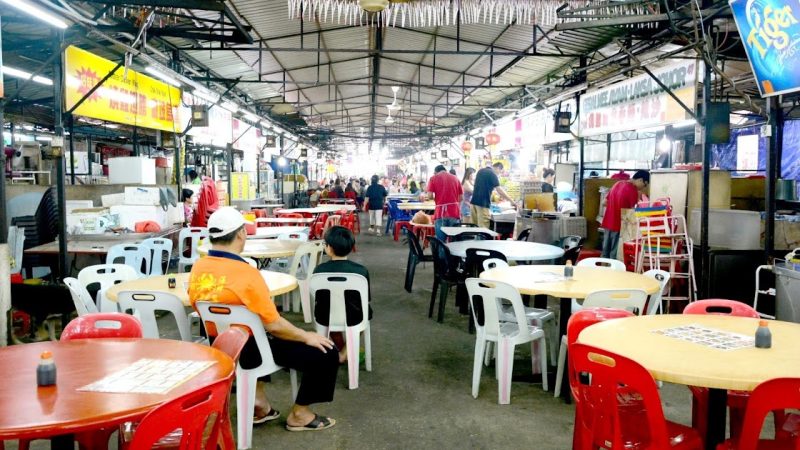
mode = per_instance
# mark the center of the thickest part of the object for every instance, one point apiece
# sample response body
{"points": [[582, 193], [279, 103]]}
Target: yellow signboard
{"points": [[240, 183], [132, 98]]}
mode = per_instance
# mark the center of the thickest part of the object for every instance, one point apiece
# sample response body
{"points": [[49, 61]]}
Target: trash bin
{"points": [[787, 291]]}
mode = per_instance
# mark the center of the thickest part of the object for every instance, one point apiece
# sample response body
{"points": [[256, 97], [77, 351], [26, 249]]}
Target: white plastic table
{"points": [[274, 232], [319, 209], [455, 231], [286, 220], [513, 250], [417, 206]]}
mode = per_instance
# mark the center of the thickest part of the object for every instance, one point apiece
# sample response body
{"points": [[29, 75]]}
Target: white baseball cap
{"points": [[224, 221]]}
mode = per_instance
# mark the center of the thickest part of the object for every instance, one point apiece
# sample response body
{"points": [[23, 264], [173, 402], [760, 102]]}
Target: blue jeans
{"points": [[445, 222], [610, 243]]}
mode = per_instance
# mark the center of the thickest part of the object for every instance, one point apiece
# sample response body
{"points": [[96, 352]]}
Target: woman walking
{"points": [[376, 195]]}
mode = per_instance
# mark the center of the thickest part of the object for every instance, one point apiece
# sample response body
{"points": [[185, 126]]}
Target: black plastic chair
{"points": [[572, 246], [445, 273], [415, 256], [471, 236], [524, 235], [473, 268]]}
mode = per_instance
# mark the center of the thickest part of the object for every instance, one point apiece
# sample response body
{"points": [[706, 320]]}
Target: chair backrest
{"points": [[662, 276], [306, 257], [721, 307], [102, 325], [218, 318], [106, 275], [134, 255], [160, 251], [603, 263], [472, 236], [231, 342], [771, 395], [487, 299], [289, 215], [572, 254], [188, 240], [590, 316], [147, 303], [337, 284], [198, 414], [413, 242], [80, 297], [569, 242], [476, 257], [633, 300], [441, 257], [493, 263], [16, 245], [524, 235], [596, 398], [332, 221]]}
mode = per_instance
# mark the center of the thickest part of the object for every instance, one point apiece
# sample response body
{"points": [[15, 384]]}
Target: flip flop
{"points": [[319, 423], [268, 417]]}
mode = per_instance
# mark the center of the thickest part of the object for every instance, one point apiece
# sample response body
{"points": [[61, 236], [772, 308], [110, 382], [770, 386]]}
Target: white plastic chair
{"points": [[633, 300], [603, 263], [80, 297], [106, 275], [505, 335], [146, 303], [160, 250], [283, 264], [134, 255], [223, 317], [662, 276], [16, 246], [336, 284], [304, 261], [536, 316], [193, 236]]}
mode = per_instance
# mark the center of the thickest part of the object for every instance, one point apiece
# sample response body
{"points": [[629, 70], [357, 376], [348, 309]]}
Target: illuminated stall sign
{"points": [[770, 32], [640, 102], [129, 98]]}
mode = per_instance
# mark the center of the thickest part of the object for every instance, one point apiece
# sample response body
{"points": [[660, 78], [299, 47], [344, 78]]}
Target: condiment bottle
{"points": [[568, 270], [763, 335], [46, 372]]}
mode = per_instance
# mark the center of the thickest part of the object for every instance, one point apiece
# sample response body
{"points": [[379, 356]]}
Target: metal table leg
{"points": [[716, 420]]}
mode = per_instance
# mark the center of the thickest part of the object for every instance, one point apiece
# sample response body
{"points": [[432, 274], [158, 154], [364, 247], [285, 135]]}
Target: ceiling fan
{"points": [[394, 106]]}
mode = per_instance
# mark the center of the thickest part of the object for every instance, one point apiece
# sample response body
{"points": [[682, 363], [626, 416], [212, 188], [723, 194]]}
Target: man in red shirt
{"points": [[448, 194], [624, 194]]}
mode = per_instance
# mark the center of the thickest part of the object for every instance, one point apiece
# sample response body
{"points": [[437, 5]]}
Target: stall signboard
{"points": [[240, 185], [126, 97], [640, 102], [770, 32], [219, 130]]}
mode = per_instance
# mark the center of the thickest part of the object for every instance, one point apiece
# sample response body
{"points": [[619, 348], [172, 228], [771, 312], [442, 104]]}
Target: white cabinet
{"points": [[131, 170]]}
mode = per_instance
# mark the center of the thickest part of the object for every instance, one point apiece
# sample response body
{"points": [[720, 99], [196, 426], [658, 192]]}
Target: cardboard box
{"points": [[145, 196], [90, 221], [131, 170], [130, 214], [110, 200]]}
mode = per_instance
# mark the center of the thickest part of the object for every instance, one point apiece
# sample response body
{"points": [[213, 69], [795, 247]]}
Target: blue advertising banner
{"points": [[770, 32]]}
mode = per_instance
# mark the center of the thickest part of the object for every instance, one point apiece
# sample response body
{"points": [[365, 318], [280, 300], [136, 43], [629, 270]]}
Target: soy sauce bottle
{"points": [[46, 371]]}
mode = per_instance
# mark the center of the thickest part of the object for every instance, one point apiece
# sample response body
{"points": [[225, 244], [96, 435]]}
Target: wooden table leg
{"points": [[717, 409], [566, 312]]}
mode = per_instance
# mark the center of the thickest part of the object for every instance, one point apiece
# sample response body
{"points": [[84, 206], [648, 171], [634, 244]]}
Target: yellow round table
{"points": [[530, 281], [262, 248], [543, 280], [680, 361], [277, 282]]}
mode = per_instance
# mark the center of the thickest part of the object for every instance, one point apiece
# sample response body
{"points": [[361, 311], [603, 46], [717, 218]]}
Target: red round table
{"points": [[29, 412]]}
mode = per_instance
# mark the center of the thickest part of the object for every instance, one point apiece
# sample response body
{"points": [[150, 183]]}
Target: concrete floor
{"points": [[418, 394]]}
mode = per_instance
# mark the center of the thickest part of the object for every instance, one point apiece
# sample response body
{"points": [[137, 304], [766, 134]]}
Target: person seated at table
{"points": [[325, 192], [339, 242], [313, 199], [412, 188], [188, 210], [350, 193], [224, 277]]}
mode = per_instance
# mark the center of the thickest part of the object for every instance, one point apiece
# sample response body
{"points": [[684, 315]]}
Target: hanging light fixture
{"points": [[492, 138], [373, 5], [466, 147]]}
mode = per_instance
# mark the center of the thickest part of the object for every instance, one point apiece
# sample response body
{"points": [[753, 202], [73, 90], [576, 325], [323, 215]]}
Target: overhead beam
{"points": [[313, 83], [376, 77], [385, 51]]}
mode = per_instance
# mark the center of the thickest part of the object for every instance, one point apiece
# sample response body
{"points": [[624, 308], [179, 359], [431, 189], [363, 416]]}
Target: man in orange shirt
{"points": [[224, 277]]}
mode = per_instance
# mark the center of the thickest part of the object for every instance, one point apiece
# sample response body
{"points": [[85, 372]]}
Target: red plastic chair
{"points": [[773, 395], [737, 400], [608, 423], [722, 307], [102, 325], [191, 413], [577, 323]]}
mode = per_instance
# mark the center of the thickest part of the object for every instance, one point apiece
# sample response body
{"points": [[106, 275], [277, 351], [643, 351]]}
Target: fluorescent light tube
{"points": [[37, 12], [162, 76], [10, 71]]}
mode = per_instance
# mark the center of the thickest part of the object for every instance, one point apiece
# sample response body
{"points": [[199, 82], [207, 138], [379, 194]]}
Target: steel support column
{"points": [[58, 127], [773, 170], [705, 202]]}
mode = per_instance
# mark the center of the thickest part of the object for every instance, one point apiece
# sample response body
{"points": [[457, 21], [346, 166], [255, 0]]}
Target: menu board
{"points": [[149, 376], [709, 337]]}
